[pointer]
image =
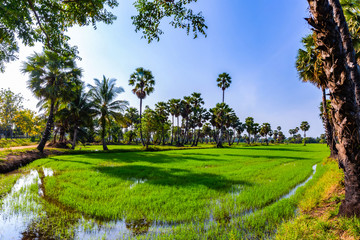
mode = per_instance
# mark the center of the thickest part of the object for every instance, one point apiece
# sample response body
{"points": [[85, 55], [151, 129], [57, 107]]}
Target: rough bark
{"points": [[141, 135], [328, 128], [103, 134], [49, 126], [343, 76]]}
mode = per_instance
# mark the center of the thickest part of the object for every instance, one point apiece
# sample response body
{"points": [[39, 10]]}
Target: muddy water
{"points": [[23, 215]]}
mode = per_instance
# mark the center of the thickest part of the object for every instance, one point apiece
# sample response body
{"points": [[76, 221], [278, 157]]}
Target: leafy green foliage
{"points": [[47, 21], [105, 105], [150, 14]]}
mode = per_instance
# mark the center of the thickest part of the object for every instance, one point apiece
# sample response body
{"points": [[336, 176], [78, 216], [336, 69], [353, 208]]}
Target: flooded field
{"points": [[23, 212], [177, 194]]}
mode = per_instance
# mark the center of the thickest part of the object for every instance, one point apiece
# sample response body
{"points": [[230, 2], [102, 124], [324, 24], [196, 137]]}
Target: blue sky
{"points": [[256, 43]]}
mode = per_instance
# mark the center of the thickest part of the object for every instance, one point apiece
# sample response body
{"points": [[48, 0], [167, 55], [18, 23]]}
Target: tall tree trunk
{"points": [[343, 76], [223, 96], [304, 138], [103, 133], [49, 126], [172, 130], [219, 142], [178, 136], [75, 137], [328, 128], [141, 135]]}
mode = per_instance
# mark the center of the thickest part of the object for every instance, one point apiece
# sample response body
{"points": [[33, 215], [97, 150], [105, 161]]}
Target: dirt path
{"points": [[20, 147]]}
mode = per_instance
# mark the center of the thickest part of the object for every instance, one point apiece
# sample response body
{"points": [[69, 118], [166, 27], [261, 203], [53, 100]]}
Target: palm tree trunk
{"points": [[219, 143], [178, 125], [328, 128], [304, 138], [223, 96], [49, 126], [141, 136], [103, 134], [172, 130], [75, 137], [343, 77]]}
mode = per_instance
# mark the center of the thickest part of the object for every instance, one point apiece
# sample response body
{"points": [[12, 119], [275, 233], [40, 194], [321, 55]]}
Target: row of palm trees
{"points": [[55, 81]]}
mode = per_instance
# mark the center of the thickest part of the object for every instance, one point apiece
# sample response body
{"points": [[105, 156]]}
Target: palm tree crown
{"points": [[224, 81], [53, 77], [143, 82], [103, 95]]}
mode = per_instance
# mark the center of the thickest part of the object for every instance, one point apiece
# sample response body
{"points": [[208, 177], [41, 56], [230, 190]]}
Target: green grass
{"points": [[6, 183], [324, 197], [181, 186], [184, 186], [6, 143]]}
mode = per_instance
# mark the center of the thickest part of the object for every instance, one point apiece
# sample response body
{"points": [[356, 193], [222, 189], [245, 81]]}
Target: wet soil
{"points": [[14, 161]]}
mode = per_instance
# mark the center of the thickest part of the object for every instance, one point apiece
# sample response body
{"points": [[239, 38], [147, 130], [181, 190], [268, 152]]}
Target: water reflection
{"points": [[27, 213]]}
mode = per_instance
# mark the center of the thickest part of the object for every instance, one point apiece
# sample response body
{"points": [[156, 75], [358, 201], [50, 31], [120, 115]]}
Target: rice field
{"points": [[233, 193]]}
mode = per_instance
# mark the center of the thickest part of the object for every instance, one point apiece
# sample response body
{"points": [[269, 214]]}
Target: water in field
{"points": [[23, 215]]}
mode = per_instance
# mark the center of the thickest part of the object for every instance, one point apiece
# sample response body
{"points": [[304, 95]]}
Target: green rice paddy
{"points": [[197, 193]]}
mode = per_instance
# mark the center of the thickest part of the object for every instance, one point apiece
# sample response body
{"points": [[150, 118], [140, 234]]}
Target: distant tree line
{"points": [[78, 113]]}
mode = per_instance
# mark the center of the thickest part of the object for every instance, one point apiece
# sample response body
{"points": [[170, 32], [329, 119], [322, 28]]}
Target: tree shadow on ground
{"points": [[267, 157], [172, 177], [271, 148], [148, 157]]}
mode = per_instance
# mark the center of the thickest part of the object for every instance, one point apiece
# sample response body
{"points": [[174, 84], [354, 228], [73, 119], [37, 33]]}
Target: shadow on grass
{"points": [[172, 177], [267, 157], [271, 148], [134, 157]]}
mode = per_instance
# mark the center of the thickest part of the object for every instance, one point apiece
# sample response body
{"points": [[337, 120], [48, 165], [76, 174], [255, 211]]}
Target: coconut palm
{"points": [[131, 117], [143, 82], [103, 95], [224, 81], [52, 78], [80, 112]]}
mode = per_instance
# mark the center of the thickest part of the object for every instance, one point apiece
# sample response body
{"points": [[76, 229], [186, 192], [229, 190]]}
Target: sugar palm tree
{"points": [[52, 78], [310, 68], [103, 96], [305, 127], [219, 117], [224, 81], [264, 131], [174, 109], [143, 82]]}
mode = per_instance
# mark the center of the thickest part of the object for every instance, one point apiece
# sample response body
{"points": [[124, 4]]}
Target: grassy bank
{"points": [[6, 143], [318, 211]]}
